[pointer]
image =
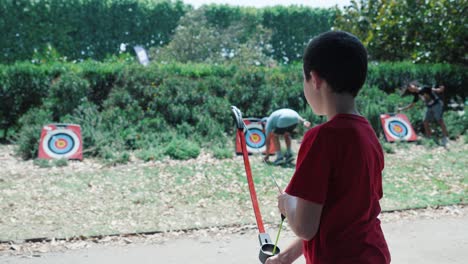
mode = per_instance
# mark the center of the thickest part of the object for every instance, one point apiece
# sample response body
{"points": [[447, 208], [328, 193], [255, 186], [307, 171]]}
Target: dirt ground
{"points": [[434, 235], [92, 198]]}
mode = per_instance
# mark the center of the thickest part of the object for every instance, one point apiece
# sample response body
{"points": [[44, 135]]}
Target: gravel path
{"points": [[414, 236]]}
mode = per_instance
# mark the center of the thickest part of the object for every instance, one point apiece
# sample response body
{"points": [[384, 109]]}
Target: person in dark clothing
{"points": [[434, 106]]}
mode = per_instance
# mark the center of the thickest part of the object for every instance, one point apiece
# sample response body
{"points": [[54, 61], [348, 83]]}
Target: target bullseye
{"points": [[255, 138], [60, 144]]}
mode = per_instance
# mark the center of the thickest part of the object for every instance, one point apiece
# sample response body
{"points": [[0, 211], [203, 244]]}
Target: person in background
{"points": [[281, 122], [434, 106]]}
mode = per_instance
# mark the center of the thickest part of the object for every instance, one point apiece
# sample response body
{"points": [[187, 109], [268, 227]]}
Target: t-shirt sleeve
{"points": [[310, 180]]}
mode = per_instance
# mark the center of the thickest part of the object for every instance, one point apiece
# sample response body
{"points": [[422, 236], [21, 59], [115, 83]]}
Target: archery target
{"points": [[397, 127], [61, 141], [255, 137]]}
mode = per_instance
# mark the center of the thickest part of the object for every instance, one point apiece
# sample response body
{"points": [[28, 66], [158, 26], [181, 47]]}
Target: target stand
{"points": [[397, 127], [255, 138], [61, 141]]}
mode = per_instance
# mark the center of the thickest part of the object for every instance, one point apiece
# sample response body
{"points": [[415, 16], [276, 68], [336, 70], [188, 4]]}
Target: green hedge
{"points": [[81, 29], [389, 76], [84, 28], [127, 106]]}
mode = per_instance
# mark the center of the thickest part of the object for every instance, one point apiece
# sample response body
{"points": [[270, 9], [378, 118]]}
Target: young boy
{"points": [[434, 107], [332, 200], [281, 122]]}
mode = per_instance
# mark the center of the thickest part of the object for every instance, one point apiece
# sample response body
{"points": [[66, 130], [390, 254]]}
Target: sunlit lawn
{"points": [[87, 198]]}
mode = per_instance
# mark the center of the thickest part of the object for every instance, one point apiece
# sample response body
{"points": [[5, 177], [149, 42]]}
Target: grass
{"points": [[87, 198], [422, 177]]}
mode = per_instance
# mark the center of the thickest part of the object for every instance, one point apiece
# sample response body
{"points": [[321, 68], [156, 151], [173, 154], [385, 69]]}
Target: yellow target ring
{"points": [[255, 138], [61, 143]]}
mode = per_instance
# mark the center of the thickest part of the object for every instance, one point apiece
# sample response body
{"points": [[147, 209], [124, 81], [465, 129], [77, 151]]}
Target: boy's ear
{"points": [[316, 80]]}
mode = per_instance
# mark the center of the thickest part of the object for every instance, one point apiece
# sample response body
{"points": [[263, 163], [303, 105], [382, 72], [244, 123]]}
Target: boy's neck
{"points": [[340, 104]]}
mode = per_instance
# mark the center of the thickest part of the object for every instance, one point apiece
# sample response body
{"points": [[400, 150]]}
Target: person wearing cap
{"points": [[281, 122]]}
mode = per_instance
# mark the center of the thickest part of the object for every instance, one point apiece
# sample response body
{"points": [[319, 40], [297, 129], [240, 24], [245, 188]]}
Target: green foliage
{"points": [[456, 122], [245, 36], [199, 38], [66, 93], [101, 78], [105, 133], [391, 76], [73, 30], [423, 31], [182, 149], [145, 107], [60, 162], [112, 158], [293, 27], [22, 86], [48, 55], [27, 139], [222, 153], [79, 29], [42, 163], [387, 147], [372, 102], [428, 142], [148, 154]]}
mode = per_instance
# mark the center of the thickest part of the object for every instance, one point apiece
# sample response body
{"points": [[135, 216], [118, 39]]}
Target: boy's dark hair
{"points": [[339, 58]]}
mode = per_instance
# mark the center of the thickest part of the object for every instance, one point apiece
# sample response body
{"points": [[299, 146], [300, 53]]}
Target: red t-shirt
{"points": [[340, 165]]}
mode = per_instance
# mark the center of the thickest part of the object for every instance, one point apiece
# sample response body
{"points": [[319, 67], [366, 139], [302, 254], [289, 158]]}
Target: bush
{"points": [[456, 122], [391, 76], [141, 107], [66, 93], [182, 149], [27, 139], [371, 103], [22, 87], [94, 134]]}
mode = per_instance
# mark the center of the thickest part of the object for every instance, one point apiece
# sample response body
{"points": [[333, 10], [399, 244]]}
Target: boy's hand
{"points": [[306, 123], [274, 260]]}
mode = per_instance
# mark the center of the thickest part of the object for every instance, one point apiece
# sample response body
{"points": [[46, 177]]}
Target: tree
{"points": [[419, 30], [196, 39]]}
